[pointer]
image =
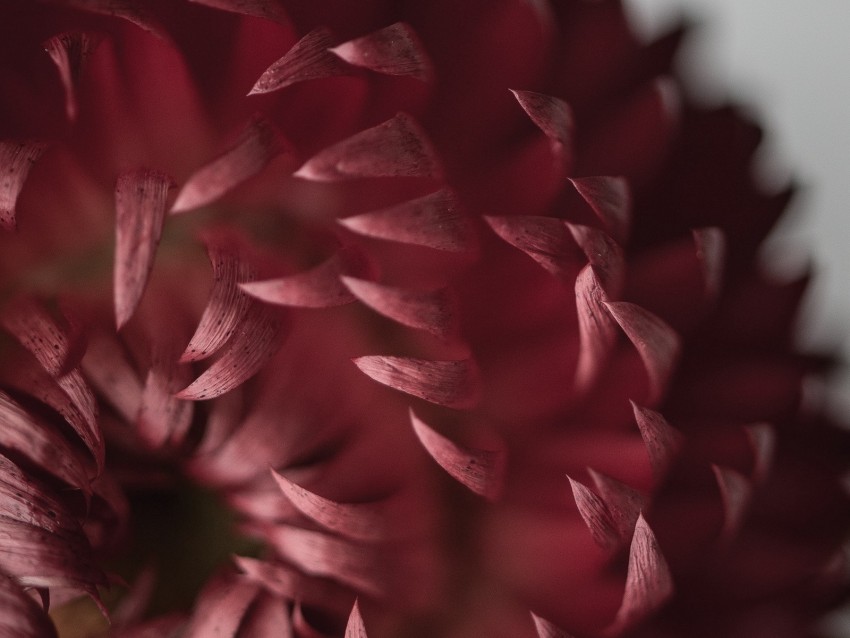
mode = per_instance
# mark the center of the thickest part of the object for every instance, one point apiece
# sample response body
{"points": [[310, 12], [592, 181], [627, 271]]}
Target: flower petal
{"points": [[27, 500], [546, 240], [435, 221], [133, 11], [604, 254], [554, 117], [610, 199], [736, 490], [482, 471], [432, 310], [395, 148], [140, 205], [662, 441], [545, 629], [266, 9], [257, 144], [762, 439], [597, 330], [164, 419], [268, 617], [69, 52], [16, 160], [596, 516], [112, 375], [624, 503], [454, 384], [711, 252], [37, 331], [355, 627], [393, 50], [308, 59], [221, 607], [21, 616]]}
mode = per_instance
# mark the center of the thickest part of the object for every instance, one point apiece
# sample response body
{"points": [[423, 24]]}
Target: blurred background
{"points": [[788, 62]]}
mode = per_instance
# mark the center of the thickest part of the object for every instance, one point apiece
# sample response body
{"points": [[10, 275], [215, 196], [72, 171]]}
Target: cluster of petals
{"points": [[455, 308]]}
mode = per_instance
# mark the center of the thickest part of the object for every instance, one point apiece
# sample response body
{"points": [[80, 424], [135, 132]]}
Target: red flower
{"points": [[452, 306]]}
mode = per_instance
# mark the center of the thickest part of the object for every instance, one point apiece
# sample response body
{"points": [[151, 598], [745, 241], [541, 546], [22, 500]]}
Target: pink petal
{"points": [[320, 287], [163, 418], [308, 59], [545, 629], [711, 252], [140, 205], [38, 332], [554, 117], [355, 627], [360, 521], [227, 304], [435, 221], [648, 582], [393, 50], [266, 9], [736, 492], [597, 329], [20, 615], [545, 239], [482, 471], [256, 340], [656, 342], [258, 143], [596, 516], [267, 618], [454, 384], [221, 607], [70, 51], [762, 439], [624, 503], [396, 148], [433, 311], [106, 366], [610, 198], [604, 254], [662, 441], [16, 160]]}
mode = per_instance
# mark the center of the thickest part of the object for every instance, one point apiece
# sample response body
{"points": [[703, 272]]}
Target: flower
{"points": [[445, 318]]}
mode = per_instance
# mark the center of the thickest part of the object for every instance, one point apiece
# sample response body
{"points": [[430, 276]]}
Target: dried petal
{"points": [[37, 331], [624, 503], [604, 254], [395, 148], [662, 441], [256, 340], [393, 50], [433, 310], [454, 384], [221, 607], [268, 617], [355, 627], [482, 471], [736, 492], [554, 117], [163, 418], [762, 439], [610, 198], [266, 9], [435, 221], [545, 629], [21, 616], [112, 375], [24, 499], [597, 330], [596, 516], [70, 51], [656, 342], [711, 252], [16, 160], [545, 239], [308, 59], [140, 205], [258, 143]]}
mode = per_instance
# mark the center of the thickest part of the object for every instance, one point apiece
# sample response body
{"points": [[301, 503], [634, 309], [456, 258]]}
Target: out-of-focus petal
{"points": [[711, 253], [545, 629], [393, 50], [267, 9], [597, 328], [16, 160], [20, 615], [221, 607], [69, 52], [762, 439], [106, 366], [163, 418], [662, 440], [735, 492]]}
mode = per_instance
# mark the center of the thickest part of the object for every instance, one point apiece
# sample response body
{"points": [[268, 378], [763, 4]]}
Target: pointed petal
{"points": [[16, 160], [433, 310], [227, 304], [112, 375], [21, 616], [656, 342], [134, 11], [258, 143], [140, 205], [256, 340], [396, 148], [435, 221], [37, 331], [221, 607], [308, 59], [711, 252], [26, 500], [648, 583], [554, 117], [164, 419], [736, 492], [268, 617], [355, 627], [604, 254], [266, 9], [610, 198], [762, 439], [69, 52], [624, 503], [597, 330], [320, 287], [662, 440], [545, 239], [454, 384], [482, 471], [545, 629], [596, 516], [360, 521], [393, 50]]}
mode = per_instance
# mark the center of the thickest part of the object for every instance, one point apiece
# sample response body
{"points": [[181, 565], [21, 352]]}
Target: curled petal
{"points": [[266, 9], [656, 342], [545, 239], [256, 340], [545, 629], [596, 516], [308, 59], [736, 491], [163, 418], [482, 471], [604, 254], [21, 616], [37, 331], [624, 503], [597, 329], [762, 439], [221, 607], [140, 206], [27, 500], [396, 148], [454, 384], [69, 52], [433, 311], [393, 50], [258, 143], [711, 253], [355, 627], [610, 199], [554, 117], [435, 221], [662, 441], [16, 160]]}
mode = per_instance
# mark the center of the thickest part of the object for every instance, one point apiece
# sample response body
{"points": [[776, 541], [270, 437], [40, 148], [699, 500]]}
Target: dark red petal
{"points": [[267, 9], [554, 117], [454, 384], [395, 148], [762, 439], [656, 342], [163, 418], [24, 499], [596, 516], [545, 629], [711, 252], [20, 615], [221, 607], [16, 160], [227, 304], [624, 502], [482, 471], [308, 59], [256, 340], [604, 254], [133, 11], [432, 310], [106, 366], [610, 198], [140, 206], [662, 441], [735, 492], [258, 143], [393, 50], [597, 329], [545, 239], [69, 51], [268, 617], [435, 221], [355, 627]]}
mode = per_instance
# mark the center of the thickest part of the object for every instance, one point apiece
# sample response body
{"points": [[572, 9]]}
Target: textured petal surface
{"points": [[596, 516], [355, 628], [597, 328], [662, 440], [545, 239], [610, 199], [16, 160], [69, 52], [393, 50], [545, 629], [267, 9]]}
